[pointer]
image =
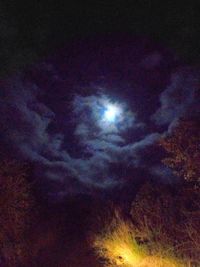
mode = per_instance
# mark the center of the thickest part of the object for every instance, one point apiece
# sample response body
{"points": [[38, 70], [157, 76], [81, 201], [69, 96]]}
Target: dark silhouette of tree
{"points": [[168, 220], [183, 148], [154, 215], [16, 204]]}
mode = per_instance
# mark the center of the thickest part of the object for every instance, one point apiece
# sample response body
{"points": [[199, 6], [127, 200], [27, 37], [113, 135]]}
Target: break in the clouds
{"points": [[99, 117], [78, 139]]}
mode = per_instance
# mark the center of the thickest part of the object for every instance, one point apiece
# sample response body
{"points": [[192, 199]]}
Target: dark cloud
{"points": [[24, 120], [179, 98]]}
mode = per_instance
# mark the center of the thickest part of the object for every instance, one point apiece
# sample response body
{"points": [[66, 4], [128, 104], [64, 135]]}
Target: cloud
{"points": [[76, 150], [23, 119], [179, 97], [89, 112], [25, 122]]}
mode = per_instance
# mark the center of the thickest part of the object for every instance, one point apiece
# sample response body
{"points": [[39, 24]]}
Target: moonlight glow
{"points": [[111, 113]]}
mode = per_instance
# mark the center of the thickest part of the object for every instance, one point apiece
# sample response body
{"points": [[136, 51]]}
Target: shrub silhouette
{"points": [[16, 204]]}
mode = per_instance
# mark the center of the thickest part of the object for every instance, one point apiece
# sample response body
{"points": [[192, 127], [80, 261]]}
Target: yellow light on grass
{"points": [[117, 244], [124, 255]]}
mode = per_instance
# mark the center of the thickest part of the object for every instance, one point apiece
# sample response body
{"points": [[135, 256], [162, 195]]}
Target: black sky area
{"points": [[31, 29]]}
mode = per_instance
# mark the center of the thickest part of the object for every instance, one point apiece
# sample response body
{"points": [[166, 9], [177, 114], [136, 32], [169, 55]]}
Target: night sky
{"points": [[64, 64]]}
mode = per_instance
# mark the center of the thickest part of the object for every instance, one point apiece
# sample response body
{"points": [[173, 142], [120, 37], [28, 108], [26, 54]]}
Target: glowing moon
{"points": [[111, 113]]}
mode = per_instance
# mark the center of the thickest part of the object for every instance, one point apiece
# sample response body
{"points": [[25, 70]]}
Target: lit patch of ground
{"points": [[118, 246]]}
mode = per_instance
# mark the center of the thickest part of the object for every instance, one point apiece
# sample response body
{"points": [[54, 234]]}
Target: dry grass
{"points": [[118, 246]]}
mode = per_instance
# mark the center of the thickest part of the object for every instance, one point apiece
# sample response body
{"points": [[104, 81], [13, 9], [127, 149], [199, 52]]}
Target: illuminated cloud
{"points": [[179, 98], [99, 145], [99, 115], [88, 140]]}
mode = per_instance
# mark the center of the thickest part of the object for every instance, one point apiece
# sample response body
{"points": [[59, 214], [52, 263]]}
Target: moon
{"points": [[111, 113]]}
